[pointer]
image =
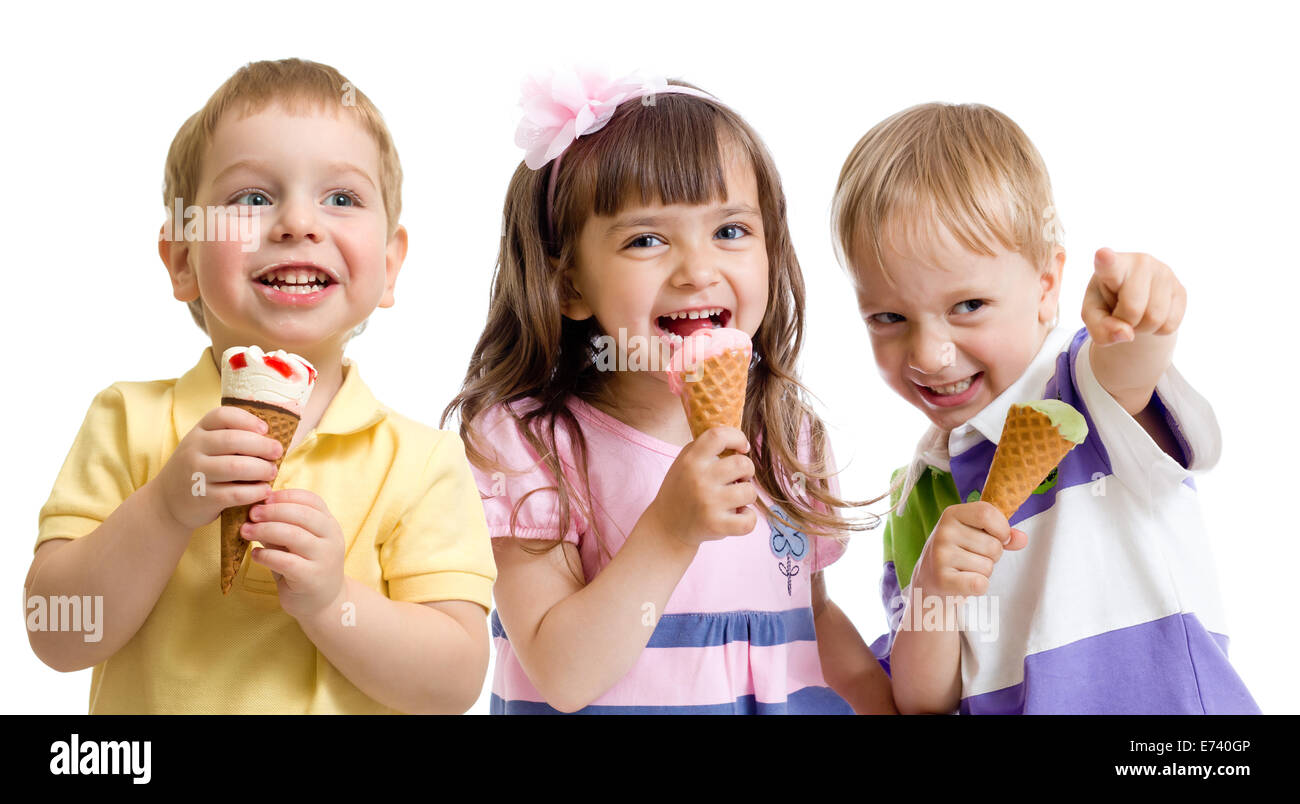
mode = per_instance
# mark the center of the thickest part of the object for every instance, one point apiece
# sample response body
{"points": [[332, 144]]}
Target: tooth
{"points": [[695, 314]]}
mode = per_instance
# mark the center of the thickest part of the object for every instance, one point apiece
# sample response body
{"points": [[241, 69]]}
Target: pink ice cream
{"points": [[700, 346], [277, 378]]}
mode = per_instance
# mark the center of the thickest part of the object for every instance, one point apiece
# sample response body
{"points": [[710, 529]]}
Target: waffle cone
{"points": [[1030, 448], [281, 424], [713, 394]]}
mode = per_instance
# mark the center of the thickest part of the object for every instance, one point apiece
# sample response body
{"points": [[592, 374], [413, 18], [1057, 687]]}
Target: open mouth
{"points": [[957, 393], [296, 280], [683, 323]]}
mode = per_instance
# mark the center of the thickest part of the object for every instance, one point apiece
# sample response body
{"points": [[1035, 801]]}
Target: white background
{"points": [[1167, 129]]}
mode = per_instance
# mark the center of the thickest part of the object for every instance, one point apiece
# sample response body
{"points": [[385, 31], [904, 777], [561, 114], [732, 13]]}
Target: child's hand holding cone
{"points": [[959, 556], [226, 460]]}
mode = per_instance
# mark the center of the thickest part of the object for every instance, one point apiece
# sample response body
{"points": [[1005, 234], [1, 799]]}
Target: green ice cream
{"points": [[1068, 421]]}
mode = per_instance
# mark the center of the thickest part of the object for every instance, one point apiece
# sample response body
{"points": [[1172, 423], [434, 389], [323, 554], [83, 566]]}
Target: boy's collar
{"points": [[988, 423], [198, 391]]}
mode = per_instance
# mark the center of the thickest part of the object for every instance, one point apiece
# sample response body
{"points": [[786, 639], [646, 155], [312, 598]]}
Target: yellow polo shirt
{"points": [[402, 492]]}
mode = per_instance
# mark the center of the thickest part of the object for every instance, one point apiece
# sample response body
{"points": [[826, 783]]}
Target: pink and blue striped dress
{"points": [[736, 636]]}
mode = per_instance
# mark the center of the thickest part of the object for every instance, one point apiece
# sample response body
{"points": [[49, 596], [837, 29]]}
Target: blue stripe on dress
{"points": [[807, 701], [706, 630]]}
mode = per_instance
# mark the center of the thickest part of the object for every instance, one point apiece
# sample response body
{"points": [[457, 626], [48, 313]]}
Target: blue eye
{"points": [[739, 231], [253, 198], [885, 318], [344, 199], [641, 241], [977, 302]]}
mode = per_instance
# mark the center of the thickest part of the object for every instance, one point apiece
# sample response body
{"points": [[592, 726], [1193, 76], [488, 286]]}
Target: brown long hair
{"points": [[670, 151]]}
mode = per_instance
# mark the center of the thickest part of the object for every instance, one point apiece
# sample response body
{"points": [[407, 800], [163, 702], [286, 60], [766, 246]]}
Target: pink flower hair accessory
{"points": [[560, 107], [570, 103]]}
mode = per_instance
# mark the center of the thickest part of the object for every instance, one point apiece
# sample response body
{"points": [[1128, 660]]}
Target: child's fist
{"points": [[226, 460], [304, 549], [1131, 294], [704, 497], [958, 559]]}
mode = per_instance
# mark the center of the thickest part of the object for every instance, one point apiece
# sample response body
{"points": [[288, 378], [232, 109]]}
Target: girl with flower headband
{"points": [[635, 571]]}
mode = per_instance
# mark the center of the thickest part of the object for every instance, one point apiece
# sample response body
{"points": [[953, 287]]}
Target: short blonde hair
{"points": [[297, 84], [966, 166]]}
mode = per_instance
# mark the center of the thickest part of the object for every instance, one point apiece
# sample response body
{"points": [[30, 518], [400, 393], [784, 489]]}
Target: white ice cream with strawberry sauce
{"points": [[702, 345], [277, 378]]}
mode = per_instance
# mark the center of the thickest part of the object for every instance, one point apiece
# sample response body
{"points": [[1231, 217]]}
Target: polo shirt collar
{"points": [[198, 391]]}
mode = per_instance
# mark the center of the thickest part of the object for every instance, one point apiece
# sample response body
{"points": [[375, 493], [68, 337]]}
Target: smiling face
{"points": [[320, 261], [663, 271], [955, 329]]}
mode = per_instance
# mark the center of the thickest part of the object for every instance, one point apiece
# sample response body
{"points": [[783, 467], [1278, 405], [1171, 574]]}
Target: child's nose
{"points": [[695, 268], [297, 221], [931, 350]]}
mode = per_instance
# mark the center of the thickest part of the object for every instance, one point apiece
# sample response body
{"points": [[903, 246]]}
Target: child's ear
{"points": [[395, 255], [175, 254], [572, 305], [1050, 280]]}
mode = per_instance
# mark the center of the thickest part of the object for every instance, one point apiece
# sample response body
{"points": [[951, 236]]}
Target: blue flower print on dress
{"points": [[787, 542]]}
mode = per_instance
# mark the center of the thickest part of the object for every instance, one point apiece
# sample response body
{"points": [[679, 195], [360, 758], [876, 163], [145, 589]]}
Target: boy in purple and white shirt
{"points": [[1099, 595]]}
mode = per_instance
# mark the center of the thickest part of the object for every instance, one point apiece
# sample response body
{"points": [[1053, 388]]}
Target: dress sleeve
{"points": [[439, 549], [521, 486], [97, 476], [1135, 458]]}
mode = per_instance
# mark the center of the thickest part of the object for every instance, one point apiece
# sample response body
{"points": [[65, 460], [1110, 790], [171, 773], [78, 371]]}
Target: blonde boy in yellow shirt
{"points": [[371, 590]]}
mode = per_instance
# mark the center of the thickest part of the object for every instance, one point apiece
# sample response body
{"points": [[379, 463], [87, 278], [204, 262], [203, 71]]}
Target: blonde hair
{"points": [[297, 84], [672, 152], [966, 166]]}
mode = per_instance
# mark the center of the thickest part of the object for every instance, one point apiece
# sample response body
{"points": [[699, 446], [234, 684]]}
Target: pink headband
{"points": [[566, 105]]}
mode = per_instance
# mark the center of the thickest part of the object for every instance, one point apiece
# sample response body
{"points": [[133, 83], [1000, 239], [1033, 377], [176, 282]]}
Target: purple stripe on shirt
{"points": [[892, 597], [1085, 463], [1167, 666], [1187, 457]]}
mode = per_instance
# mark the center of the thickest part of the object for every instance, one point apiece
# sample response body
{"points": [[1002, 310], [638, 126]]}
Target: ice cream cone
{"points": [[1034, 440], [710, 373], [714, 394], [281, 425], [275, 388]]}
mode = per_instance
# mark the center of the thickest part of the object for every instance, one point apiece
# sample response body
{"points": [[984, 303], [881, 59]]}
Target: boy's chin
{"points": [[950, 421]]}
